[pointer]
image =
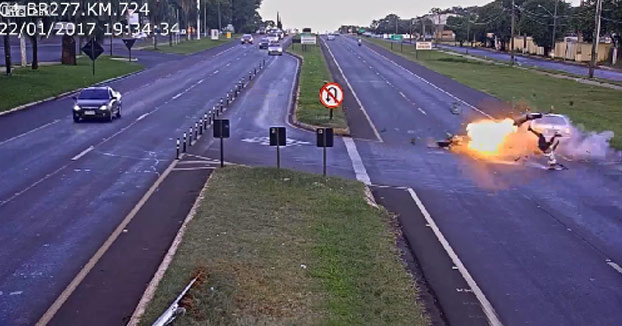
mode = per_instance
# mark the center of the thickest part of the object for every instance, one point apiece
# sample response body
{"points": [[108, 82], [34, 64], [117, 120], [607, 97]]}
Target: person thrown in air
{"points": [[548, 147]]}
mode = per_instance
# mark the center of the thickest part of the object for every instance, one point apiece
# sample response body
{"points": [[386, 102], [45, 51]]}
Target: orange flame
{"points": [[487, 137]]}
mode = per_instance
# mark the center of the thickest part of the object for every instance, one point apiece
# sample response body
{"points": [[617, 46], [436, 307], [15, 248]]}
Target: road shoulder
{"points": [[110, 292]]}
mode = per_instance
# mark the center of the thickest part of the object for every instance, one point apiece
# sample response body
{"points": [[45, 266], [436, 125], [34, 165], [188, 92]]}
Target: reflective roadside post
{"points": [[278, 138], [222, 131], [325, 138]]}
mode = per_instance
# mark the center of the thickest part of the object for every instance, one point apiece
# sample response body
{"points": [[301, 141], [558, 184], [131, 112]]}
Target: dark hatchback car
{"points": [[101, 103], [263, 44]]}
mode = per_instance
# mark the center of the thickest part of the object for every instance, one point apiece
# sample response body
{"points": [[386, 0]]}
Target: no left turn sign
{"points": [[331, 95]]}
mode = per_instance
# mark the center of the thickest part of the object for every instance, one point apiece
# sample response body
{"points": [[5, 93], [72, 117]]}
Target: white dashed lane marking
{"points": [[84, 152], [614, 266]]}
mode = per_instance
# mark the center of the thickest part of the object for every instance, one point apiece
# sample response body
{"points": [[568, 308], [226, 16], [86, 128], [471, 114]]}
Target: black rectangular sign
{"points": [[325, 137], [278, 136], [221, 128]]}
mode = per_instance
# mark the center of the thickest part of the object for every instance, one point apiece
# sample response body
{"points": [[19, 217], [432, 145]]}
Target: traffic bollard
{"points": [[190, 137], [201, 126], [205, 121], [196, 127], [185, 142], [177, 149]]}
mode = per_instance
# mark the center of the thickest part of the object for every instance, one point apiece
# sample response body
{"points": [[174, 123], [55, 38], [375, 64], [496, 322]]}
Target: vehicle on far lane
{"points": [[331, 37], [247, 39], [275, 48], [264, 43], [273, 37], [97, 103]]}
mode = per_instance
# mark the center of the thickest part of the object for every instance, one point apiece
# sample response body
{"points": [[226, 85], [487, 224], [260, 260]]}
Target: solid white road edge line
{"points": [[84, 152], [58, 303], [373, 127], [434, 85], [29, 132], [357, 162], [168, 258], [490, 312]]}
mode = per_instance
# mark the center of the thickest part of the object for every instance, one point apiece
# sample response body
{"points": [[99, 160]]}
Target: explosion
{"points": [[489, 137]]}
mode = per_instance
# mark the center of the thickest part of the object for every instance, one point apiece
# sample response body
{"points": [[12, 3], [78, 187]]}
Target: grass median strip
{"points": [[191, 46], [314, 72], [26, 85], [596, 108], [288, 248]]}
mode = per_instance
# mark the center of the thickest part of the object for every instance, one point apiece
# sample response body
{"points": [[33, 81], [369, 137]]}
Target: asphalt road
{"points": [[536, 242], [575, 69], [66, 186], [542, 246], [267, 104]]}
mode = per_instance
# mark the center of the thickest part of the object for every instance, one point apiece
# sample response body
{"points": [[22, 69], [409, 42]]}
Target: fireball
{"points": [[487, 137]]}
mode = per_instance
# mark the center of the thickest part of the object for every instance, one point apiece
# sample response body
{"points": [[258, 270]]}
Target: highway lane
{"points": [[542, 246], [65, 187], [576, 69]]}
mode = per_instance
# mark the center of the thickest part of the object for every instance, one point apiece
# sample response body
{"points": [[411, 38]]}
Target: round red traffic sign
{"points": [[331, 95]]}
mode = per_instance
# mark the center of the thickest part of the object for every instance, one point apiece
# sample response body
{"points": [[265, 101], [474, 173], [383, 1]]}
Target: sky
{"points": [[328, 15]]}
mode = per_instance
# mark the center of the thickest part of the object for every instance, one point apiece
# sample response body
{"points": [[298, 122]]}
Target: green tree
{"points": [[538, 20]]}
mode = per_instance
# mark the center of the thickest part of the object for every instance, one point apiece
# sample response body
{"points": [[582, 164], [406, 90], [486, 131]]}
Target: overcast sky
{"points": [[328, 15]]}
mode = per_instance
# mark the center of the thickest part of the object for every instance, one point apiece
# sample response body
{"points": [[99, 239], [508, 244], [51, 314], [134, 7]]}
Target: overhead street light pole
{"points": [[596, 38]]}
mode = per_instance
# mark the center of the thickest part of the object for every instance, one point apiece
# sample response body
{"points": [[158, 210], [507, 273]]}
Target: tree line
{"points": [[544, 20], [214, 14]]}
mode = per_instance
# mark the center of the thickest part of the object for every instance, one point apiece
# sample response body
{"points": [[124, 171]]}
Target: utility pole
{"points": [[219, 19], [512, 35], [198, 19], [554, 27], [7, 54], [468, 32], [396, 22], [596, 38]]}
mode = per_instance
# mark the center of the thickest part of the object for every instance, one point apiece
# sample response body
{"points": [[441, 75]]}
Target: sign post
{"points": [[425, 46], [307, 39], [214, 34], [325, 138], [331, 96], [278, 138], [129, 43], [221, 130], [93, 50]]}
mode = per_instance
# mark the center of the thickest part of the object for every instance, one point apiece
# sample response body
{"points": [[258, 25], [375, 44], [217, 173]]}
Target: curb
{"points": [[292, 114], [166, 261], [64, 94]]}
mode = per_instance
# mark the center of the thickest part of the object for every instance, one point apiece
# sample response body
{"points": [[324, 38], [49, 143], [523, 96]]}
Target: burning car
{"points": [[552, 124]]}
